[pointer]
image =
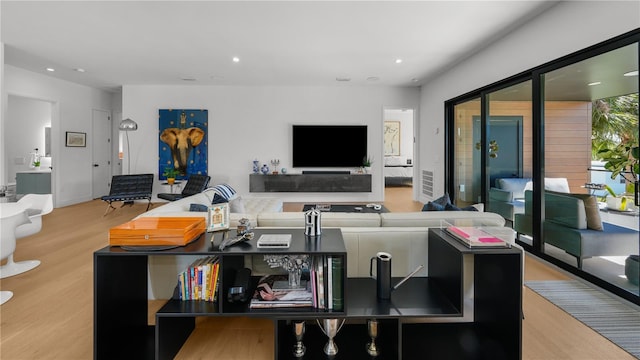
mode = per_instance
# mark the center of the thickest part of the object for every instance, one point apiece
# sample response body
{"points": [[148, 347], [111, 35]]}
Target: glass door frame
{"points": [[536, 76]]}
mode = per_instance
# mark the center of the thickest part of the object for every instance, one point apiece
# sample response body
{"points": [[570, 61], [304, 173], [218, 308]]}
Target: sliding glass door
{"points": [[554, 150]]}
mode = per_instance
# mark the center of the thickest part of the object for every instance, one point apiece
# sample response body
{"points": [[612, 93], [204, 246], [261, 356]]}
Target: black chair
{"points": [[196, 184], [127, 188]]}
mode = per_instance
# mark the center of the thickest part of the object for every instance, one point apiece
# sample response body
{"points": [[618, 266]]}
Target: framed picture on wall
{"points": [[392, 138], [76, 139]]}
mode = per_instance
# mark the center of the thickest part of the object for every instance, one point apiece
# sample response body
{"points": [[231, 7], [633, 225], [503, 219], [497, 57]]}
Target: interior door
{"points": [[101, 153]]}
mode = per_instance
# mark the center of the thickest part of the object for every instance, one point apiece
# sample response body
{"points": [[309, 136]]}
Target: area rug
{"points": [[610, 317]]}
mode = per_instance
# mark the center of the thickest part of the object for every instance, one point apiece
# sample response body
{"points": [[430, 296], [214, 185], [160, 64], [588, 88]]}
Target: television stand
{"points": [[334, 172], [316, 182]]}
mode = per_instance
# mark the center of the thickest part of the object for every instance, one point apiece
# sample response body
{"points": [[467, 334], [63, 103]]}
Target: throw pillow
{"points": [[431, 206], [225, 190], [198, 208], [591, 209], [237, 205], [437, 204], [217, 199]]}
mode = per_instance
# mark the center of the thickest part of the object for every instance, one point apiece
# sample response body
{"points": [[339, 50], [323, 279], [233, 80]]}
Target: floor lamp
{"points": [[127, 125]]}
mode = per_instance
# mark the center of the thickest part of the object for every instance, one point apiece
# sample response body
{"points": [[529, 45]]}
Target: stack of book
{"points": [[326, 282], [200, 280], [273, 292], [475, 237]]}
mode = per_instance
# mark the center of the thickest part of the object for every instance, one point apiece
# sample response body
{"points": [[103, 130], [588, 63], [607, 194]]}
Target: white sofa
{"points": [[403, 235]]}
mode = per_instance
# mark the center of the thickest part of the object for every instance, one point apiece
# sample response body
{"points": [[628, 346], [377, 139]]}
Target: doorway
{"points": [[25, 131], [398, 150]]}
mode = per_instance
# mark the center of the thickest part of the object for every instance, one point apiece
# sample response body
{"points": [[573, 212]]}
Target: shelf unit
{"points": [[120, 294], [471, 297]]}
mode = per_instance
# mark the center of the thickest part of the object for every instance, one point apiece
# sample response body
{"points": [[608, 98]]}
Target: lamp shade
{"points": [[128, 125]]}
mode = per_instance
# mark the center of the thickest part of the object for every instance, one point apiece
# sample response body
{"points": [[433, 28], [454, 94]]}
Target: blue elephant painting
{"points": [[183, 142]]}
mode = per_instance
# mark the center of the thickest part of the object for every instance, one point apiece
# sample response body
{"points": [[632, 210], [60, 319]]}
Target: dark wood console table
{"points": [[469, 307], [310, 183]]}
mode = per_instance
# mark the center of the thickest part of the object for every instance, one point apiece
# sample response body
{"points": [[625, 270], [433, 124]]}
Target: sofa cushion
{"points": [[565, 210], [515, 185], [435, 219], [327, 219], [591, 209], [237, 205]]}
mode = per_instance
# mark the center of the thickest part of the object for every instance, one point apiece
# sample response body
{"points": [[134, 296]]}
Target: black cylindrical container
{"points": [[383, 274]]}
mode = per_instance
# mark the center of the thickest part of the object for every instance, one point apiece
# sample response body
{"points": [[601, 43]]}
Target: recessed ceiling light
{"points": [[594, 83], [236, 59], [188, 79], [373, 78], [398, 61], [414, 79], [80, 70], [344, 78], [631, 73], [51, 69]]}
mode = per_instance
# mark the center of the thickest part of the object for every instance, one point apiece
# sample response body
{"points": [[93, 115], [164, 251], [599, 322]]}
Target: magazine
{"points": [[266, 297], [475, 237]]}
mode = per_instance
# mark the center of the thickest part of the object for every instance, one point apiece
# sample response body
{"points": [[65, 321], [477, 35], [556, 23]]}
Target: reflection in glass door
{"points": [[591, 129]]}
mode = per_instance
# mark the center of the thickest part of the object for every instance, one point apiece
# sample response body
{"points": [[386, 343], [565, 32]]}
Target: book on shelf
{"points": [[326, 274], [267, 296], [475, 237], [200, 280], [336, 284]]}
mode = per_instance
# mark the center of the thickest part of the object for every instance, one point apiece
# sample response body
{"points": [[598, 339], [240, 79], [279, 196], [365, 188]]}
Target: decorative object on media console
{"points": [[274, 165], [127, 125], [265, 169], [312, 222], [298, 332], [256, 166], [330, 327], [283, 170], [372, 331], [183, 141]]}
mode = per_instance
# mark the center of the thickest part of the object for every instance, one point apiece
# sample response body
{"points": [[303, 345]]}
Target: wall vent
{"points": [[427, 183]]}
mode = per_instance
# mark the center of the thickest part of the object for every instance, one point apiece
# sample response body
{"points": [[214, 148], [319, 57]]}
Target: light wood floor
{"points": [[51, 313]]}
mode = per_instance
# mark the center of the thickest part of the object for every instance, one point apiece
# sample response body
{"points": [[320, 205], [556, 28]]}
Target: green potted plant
{"points": [[171, 173], [624, 160], [366, 164]]}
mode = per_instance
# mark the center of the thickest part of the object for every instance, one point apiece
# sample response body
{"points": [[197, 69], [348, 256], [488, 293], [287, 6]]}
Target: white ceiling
{"points": [[278, 43]]}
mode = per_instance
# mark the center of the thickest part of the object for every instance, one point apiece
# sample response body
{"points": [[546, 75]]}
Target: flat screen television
{"points": [[329, 146]]}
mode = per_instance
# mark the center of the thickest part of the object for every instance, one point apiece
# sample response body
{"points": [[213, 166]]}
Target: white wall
{"points": [[255, 122], [565, 28], [72, 106]]}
